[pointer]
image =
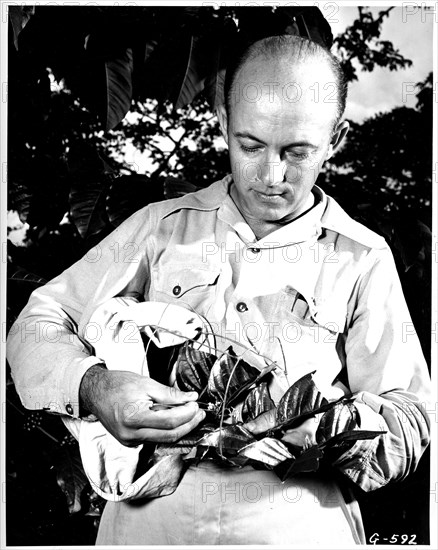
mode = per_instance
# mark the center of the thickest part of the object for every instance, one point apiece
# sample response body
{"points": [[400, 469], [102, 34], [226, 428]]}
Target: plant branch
{"points": [[164, 163]]}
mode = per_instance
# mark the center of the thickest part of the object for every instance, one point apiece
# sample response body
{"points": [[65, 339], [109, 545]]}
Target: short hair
{"points": [[293, 47]]}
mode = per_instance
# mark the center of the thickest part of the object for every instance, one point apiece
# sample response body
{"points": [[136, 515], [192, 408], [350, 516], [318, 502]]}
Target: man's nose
{"points": [[273, 171]]}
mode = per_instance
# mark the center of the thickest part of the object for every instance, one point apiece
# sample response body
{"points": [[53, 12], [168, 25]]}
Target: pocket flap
{"points": [[331, 316], [180, 281]]}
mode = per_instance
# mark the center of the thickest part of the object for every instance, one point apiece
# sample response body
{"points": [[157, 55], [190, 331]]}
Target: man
{"points": [[268, 258]]}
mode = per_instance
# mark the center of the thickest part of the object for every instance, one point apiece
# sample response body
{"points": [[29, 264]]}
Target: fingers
{"points": [[262, 423], [297, 437], [160, 393], [166, 436], [166, 419], [303, 435]]}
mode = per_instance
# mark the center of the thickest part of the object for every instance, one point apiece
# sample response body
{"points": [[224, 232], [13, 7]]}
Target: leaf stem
{"points": [[224, 401]]}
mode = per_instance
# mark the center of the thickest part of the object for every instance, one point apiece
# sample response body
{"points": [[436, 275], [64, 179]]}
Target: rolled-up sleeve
{"points": [[388, 375], [47, 348]]}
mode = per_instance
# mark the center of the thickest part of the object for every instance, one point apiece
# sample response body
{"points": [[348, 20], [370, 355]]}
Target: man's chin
{"points": [[272, 214]]}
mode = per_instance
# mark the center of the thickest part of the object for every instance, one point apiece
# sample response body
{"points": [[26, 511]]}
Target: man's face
{"points": [[279, 133]]}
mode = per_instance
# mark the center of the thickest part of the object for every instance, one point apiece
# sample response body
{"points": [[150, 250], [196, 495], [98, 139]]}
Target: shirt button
{"points": [[69, 408], [241, 307], [176, 290], [255, 250]]}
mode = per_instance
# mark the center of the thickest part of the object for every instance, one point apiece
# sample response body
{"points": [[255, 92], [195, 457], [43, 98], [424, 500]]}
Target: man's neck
{"points": [[262, 228]]}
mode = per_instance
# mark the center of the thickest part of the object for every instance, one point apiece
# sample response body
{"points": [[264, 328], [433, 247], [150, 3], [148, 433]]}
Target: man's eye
{"points": [[298, 156], [250, 149]]}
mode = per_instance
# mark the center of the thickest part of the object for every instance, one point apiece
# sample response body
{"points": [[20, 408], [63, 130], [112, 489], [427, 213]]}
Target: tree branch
{"points": [[384, 13], [162, 166]]}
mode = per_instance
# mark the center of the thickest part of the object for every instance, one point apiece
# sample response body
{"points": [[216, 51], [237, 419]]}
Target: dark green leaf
{"points": [[97, 504], [149, 48], [70, 476], [308, 461], [310, 22], [87, 210], [244, 388], [91, 175], [193, 369], [230, 438], [193, 80], [19, 16], [342, 416], [19, 199], [118, 87], [257, 402], [181, 447], [127, 194], [221, 371], [302, 398], [167, 476], [19, 274], [214, 83], [177, 187], [235, 374], [267, 451], [184, 445]]}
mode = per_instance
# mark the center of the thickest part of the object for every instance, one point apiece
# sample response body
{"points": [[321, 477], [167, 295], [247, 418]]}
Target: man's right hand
{"points": [[122, 402]]}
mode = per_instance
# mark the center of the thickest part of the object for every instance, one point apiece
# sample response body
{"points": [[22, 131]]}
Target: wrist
{"points": [[88, 389]]}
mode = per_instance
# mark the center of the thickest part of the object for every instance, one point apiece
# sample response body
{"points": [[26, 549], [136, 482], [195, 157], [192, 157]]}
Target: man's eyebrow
{"points": [[302, 143], [248, 136]]}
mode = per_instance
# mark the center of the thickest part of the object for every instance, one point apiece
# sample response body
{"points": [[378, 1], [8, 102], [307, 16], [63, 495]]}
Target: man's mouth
{"points": [[269, 196]]}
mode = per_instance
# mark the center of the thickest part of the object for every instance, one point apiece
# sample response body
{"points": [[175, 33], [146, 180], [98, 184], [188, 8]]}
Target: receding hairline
{"points": [[284, 50], [282, 69], [294, 47]]}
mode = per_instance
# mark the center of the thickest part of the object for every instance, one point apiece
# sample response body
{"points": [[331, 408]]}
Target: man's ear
{"points": [[222, 116], [337, 138]]}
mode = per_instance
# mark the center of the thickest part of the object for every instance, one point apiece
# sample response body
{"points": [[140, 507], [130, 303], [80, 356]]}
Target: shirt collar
{"points": [[208, 199], [304, 228], [326, 214], [217, 197]]}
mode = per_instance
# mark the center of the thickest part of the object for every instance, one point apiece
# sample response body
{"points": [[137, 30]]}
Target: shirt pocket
{"points": [[327, 316], [186, 285]]}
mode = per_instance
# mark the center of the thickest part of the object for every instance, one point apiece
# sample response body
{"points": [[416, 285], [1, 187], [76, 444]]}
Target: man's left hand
{"points": [[303, 435]]}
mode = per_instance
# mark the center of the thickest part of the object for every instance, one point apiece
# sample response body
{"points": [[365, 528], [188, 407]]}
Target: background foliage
{"points": [[74, 72]]}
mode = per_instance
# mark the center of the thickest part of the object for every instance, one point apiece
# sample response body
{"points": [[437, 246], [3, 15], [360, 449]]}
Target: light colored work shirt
{"points": [[318, 294]]}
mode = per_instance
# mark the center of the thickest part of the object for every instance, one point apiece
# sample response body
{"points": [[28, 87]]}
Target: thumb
{"points": [[263, 422], [166, 394]]}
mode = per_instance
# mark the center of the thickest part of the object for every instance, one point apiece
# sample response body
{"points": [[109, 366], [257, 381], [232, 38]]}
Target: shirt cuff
{"points": [[69, 382], [356, 462]]}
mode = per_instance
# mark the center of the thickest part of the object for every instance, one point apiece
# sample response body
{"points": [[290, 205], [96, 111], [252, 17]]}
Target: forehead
{"points": [[282, 96]]}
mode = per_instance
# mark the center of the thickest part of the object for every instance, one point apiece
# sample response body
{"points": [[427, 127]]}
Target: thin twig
{"points": [[282, 353], [224, 400]]}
